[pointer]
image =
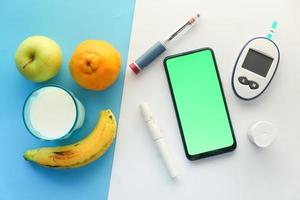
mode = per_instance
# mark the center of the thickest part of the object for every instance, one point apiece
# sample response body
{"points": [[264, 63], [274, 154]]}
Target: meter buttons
{"points": [[252, 84]]}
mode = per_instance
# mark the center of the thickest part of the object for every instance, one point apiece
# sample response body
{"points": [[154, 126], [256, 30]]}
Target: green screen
{"points": [[199, 101]]}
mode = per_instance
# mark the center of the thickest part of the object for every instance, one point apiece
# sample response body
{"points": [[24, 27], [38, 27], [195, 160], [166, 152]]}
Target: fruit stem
{"points": [[28, 62]]}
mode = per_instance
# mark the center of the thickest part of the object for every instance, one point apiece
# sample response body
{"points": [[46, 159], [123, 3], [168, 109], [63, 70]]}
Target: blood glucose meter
{"points": [[255, 67]]}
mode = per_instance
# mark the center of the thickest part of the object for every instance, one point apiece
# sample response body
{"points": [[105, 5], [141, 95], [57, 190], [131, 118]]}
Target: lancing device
{"points": [[159, 47], [159, 139]]}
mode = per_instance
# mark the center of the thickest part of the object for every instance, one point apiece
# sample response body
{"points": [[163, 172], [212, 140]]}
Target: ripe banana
{"points": [[80, 153]]}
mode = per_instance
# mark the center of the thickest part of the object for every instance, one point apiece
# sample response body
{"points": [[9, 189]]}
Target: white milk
{"points": [[52, 113]]}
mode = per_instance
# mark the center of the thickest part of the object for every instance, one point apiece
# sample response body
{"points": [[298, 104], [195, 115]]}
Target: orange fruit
{"points": [[95, 64]]}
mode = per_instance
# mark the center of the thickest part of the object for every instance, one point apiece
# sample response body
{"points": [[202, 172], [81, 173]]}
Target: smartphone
{"points": [[200, 104]]}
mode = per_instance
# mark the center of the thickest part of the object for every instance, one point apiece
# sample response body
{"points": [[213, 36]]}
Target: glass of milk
{"points": [[52, 113]]}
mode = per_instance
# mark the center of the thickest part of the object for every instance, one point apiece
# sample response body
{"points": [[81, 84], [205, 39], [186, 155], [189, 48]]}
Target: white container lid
{"points": [[262, 133]]}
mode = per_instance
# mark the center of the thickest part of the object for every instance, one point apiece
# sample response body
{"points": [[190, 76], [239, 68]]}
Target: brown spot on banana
{"points": [[64, 153]]}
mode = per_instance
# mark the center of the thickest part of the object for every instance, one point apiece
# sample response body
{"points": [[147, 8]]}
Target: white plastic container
{"points": [[262, 133]]}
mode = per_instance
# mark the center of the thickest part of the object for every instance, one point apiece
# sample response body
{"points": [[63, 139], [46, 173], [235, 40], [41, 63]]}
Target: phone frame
{"points": [[212, 152]]}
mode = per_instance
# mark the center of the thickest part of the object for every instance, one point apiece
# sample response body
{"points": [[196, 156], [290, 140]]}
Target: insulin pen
{"points": [[159, 139], [161, 46]]}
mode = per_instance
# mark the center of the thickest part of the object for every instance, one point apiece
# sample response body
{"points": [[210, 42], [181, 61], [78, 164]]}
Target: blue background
{"points": [[68, 23]]}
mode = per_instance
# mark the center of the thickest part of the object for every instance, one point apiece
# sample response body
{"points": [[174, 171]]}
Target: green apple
{"points": [[38, 58]]}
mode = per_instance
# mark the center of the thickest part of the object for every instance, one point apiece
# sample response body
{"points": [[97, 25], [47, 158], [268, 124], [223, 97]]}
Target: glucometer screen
{"points": [[257, 62], [199, 103]]}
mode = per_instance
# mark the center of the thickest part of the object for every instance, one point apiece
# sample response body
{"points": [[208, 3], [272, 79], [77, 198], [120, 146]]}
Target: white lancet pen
{"points": [[159, 139]]}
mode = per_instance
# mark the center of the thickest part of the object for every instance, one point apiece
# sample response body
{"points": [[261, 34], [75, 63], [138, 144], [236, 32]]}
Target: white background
{"points": [[247, 173]]}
